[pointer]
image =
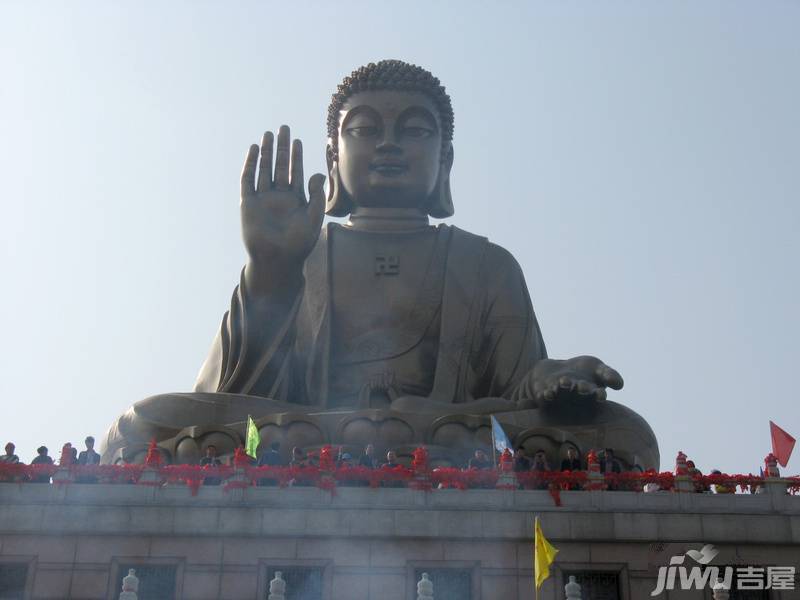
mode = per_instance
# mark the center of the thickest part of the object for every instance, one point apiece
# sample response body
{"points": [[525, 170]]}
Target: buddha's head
{"points": [[390, 132]]}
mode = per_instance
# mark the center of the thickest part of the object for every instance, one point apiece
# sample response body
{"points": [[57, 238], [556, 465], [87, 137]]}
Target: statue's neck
{"points": [[365, 218]]}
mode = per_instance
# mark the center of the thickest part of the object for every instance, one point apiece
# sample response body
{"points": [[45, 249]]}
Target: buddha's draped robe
{"points": [[469, 333], [454, 325]]}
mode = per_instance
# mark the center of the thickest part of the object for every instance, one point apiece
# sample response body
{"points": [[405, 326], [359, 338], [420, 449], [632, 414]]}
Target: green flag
{"points": [[252, 439]]}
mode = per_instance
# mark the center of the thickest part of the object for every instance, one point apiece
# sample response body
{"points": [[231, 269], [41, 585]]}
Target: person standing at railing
{"points": [[695, 474], [522, 464], [572, 463], [9, 457], [368, 459], [540, 466], [609, 465], [272, 457], [299, 459], [42, 458], [479, 460], [210, 461], [87, 458], [392, 464]]}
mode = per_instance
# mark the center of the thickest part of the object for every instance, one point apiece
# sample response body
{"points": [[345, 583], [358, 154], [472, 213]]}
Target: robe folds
{"points": [[474, 293]]}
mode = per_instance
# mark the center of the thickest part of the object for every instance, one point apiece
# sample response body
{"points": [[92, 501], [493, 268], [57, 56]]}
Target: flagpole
{"points": [[494, 442], [535, 534]]}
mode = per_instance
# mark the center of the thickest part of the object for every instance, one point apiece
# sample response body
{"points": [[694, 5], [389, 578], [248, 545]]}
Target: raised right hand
{"points": [[278, 226]]}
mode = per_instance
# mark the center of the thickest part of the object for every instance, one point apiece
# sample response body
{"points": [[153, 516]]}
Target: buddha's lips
{"points": [[389, 167]]}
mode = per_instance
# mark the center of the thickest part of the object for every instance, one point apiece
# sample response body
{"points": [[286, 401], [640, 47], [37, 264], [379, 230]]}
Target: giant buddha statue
{"points": [[385, 329]]}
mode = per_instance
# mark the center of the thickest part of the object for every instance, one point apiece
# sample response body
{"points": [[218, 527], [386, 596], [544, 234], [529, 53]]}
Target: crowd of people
{"points": [[480, 460], [86, 457]]}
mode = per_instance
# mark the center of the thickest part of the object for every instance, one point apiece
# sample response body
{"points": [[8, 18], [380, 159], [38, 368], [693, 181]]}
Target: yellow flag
{"points": [[543, 556], [252, 439]]}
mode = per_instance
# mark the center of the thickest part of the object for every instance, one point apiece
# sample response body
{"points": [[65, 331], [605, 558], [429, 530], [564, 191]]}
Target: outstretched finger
{"points": [[282, 158], [249, 171], [297, 181], [265, 164], [608, 377], [316, 201]]}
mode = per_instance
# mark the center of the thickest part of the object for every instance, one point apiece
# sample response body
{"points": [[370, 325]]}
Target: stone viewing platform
{"points": [[78, 541]]}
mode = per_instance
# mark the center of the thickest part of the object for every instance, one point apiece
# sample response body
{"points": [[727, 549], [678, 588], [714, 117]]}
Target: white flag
{"points": [[499, 437]]}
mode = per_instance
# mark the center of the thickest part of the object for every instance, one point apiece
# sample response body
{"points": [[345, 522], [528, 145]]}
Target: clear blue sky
{"points": [[639, 159]]}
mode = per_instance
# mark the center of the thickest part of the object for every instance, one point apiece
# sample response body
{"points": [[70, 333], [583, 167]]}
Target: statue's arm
{"points": [[510, 341], [251, 351], [513, 360], [280, 228]]}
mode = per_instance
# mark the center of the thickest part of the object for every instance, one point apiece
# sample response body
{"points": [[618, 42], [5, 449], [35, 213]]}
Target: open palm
{"points": [[279, 226]]}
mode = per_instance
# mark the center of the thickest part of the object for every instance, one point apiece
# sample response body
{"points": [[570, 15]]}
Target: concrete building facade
{"points": [[77, 541]]}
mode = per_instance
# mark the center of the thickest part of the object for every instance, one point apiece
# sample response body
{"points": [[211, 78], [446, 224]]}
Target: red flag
{"points": [[782, 444]]}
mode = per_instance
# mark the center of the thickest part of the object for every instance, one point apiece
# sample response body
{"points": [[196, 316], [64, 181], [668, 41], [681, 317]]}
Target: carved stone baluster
{"points": [[277, 587], [425, 588], [573, 589], [130, 586], [720, 591]]}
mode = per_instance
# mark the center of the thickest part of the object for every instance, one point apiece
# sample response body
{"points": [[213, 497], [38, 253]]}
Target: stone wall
{"points": [[369, 543]]}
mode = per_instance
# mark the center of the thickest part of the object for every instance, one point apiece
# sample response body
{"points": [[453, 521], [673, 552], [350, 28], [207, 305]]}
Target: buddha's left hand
{"points": [[580, 378]]}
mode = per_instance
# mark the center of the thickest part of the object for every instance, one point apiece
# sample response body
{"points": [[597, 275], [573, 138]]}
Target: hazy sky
{"points": [[639, 159]]}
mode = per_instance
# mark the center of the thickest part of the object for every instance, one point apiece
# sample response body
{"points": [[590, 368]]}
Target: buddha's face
{"points": [[390, 148]]}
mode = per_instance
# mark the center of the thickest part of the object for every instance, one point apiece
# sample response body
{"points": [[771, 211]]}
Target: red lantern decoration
{"points": [[506, 461], [419, 460], [592, 464], [153, 458], [681, 468], [326, 462], [66, 455], [240, 459]]}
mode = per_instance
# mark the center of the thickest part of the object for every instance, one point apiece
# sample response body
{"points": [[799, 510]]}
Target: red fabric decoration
{"points": [[554, 482]]}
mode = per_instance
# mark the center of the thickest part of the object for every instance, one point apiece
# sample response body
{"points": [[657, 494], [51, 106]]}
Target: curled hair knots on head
{"points": [[391, 75]]}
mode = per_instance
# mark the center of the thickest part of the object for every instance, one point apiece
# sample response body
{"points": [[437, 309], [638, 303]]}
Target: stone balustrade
{"points": [[572, 589], [372, 543]]}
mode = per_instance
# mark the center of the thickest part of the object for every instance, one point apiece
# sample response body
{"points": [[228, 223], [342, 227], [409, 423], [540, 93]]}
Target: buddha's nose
{"points": [[388, 144]]}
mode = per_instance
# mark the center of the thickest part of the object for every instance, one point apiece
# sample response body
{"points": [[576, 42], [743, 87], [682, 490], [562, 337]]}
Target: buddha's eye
{"points": [[417, 132], [362, 131]]}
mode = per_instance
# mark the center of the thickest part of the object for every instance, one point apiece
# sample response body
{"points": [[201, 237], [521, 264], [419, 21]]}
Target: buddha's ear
{"points": [[338, 204], [441, 204]]}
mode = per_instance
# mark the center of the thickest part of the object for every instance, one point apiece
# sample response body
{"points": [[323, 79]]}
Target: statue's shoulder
{"points": [[496, 258]]}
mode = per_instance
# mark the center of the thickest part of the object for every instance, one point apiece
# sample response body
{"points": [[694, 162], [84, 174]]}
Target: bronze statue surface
{"points": [[386, 329]]}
